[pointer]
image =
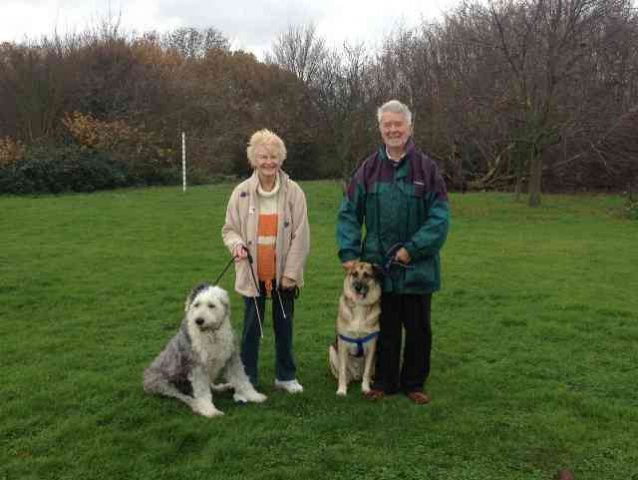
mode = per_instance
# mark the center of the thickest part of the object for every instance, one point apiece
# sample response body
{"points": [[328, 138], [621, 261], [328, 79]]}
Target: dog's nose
{"points": [[360, 288], [199, 321]]}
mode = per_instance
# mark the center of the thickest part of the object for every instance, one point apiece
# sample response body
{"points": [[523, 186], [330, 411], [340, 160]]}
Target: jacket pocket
{"points": [[244, 283], [422, 276]]}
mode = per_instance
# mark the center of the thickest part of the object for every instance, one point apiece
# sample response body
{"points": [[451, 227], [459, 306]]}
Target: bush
{"points": [[45, 169], [10, 151], [148, 175], [631, 208], [137, 151]]}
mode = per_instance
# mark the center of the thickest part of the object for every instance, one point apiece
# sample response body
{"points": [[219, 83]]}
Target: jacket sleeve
{"points": [[429, 239], [350, 221], [231, 231], [300, 238]]}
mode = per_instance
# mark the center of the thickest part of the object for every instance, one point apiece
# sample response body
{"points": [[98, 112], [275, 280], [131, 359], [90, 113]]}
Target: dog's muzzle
{"points": [[361, 288], [201, 323]]}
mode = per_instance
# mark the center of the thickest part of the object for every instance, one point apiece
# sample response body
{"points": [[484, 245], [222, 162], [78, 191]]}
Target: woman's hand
{"points": [[240, 252], [288, 283]]}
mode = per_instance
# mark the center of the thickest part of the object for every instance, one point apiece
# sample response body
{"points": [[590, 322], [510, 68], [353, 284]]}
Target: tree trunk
{"points": [[535, 177]]}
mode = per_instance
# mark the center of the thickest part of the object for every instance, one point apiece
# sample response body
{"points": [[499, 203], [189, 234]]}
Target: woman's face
{"points": [[266, 162]]}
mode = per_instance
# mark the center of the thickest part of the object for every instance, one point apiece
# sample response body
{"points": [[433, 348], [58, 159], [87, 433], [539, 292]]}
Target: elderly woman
{"points": [[267, 232]]}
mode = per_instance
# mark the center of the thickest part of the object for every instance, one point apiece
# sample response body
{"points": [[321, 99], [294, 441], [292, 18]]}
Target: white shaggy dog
{"points": [[203, 349]]}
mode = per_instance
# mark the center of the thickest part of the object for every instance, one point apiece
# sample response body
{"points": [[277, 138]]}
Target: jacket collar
{"points": [[254, 181], [409, 148]]}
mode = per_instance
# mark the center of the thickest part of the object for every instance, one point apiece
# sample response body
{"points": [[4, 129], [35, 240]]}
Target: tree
{"points": [[192, 42], [300, 51], [335, 87]]}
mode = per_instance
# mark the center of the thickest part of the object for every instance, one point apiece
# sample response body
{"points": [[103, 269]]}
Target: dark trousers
{"points": [[412, 313], [283, 309]]}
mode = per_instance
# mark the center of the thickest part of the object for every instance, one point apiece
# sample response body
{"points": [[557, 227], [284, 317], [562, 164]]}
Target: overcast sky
{"points": [[249, 24]]}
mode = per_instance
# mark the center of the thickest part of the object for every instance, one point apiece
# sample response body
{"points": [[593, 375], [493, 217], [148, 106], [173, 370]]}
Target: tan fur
{"points": [[357, 318]]}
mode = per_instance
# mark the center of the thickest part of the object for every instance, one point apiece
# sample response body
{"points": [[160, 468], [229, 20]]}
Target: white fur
{"points": [[202, 350]]}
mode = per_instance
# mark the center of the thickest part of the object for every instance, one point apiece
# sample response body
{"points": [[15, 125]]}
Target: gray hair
{"points": [[394, 106]]}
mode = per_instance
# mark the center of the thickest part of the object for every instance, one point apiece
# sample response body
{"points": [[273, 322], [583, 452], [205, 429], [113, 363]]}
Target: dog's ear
{"points": [[351, 268], [225, 299], [378, 272], [194, 292]]}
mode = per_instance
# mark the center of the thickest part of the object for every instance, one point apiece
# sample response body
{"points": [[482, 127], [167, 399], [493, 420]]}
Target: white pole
{"points": [[183, 161]]}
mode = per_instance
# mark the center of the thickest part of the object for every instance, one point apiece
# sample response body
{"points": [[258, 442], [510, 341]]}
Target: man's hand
{"points": [[288, 283], [240, 253], [402, 256], [348, 265]]}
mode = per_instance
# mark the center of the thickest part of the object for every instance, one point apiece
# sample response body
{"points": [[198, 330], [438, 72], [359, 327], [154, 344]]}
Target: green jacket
{"points": [[402, 204]]}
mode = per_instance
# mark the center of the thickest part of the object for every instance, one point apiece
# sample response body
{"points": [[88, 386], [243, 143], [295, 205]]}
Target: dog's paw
{"points": [[365, 388], [246, 397], [240, 398], [342, 392], [221, 387], [207, 410], [213, 413], [257, 397]]}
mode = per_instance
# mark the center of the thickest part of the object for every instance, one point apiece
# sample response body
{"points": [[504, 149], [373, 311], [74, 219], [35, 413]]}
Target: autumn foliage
{"points": [[133, 146], [11, 151], [510, 95]]}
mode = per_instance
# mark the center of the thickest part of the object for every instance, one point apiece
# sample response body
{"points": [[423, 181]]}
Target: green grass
{"points": [[534, 359]]}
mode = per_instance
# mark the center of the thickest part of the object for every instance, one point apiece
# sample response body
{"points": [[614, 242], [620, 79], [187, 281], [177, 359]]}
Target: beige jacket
{"points": [[293, 231]]}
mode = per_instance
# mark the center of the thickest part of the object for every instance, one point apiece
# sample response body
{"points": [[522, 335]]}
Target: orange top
{"points": [[266, 240]]}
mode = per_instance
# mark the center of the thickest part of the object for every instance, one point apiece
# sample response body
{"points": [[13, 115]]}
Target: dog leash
{"points": [[386, 268], [295, 293], [232, 259], [250, 261], [252, 274]]}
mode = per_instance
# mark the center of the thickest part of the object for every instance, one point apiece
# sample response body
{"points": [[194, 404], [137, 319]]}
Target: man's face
{"points": [[395, 130]]}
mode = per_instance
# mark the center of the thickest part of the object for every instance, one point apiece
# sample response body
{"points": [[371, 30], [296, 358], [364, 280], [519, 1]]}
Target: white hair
{"points": [[266, 138], [394, 106]]}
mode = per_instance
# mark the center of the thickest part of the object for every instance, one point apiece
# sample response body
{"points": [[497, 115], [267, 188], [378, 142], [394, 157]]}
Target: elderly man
{"points": [[398, 194]]}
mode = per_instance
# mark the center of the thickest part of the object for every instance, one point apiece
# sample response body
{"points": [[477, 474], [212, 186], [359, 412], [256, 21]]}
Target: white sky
{"points": [[250, 24]]}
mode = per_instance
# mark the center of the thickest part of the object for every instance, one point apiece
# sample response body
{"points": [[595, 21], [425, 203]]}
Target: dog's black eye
{"points": [[196, 305], [355, 274], [366, 275], [211, 305]]}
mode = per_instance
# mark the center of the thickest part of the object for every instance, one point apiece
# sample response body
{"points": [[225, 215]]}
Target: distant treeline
{"points": [[517, 95]]}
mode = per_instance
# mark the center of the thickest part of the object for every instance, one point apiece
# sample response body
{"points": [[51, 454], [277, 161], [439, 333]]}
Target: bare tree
{"points": [[195, 43], [335, 84], [300, 51]]}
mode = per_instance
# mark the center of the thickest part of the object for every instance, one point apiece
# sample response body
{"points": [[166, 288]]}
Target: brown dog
{"points": [[351, 357]]}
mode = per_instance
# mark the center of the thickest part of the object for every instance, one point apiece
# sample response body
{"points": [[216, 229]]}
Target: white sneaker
{"points": [[291, 386]]}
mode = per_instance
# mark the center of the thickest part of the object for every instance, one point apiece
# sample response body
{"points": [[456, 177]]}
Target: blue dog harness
{"points": [[360, 342]]}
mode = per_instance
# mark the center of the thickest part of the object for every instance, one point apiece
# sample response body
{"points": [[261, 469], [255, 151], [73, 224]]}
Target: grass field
{"points": [[535, 358]]}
